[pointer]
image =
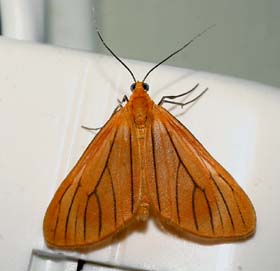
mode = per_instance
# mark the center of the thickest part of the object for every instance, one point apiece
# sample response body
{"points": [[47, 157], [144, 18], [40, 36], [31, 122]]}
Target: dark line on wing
{"points": [[188, 172], [85, 218], [94, 192], [65, 192], [99, 214], [197, 186], [222, 177], [233, 193], [193, 208], [219, 211], [238, 207], [56, 222], [210, 211], [59, 203], [105, 166], [114, 197], [221, 218], [70, 208], [224, 200], [177, 193], [75, 236], [155, 167], [131, 174]]}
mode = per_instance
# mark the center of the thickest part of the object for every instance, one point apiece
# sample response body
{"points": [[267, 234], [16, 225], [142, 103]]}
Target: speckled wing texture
{"points": [[100, 195], [190, 191]]}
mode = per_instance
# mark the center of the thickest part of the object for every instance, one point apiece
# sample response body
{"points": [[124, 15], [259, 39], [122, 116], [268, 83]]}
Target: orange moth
{"points": [[144, 160]]}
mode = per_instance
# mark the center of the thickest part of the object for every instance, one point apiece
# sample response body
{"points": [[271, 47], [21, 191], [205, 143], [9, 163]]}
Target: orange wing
{"points": [[100, 196], [188, 189]]}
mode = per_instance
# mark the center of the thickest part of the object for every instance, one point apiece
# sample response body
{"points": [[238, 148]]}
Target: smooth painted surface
{"points": [[47, 93]]}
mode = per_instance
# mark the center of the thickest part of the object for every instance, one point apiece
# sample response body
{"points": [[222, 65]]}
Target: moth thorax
{"points": [[139, 111]]}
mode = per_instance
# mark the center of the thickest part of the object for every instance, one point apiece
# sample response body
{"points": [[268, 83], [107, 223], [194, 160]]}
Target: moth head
{"points": [[144, 85]]}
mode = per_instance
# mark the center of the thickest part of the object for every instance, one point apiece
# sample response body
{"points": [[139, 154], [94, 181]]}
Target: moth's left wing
{"points": [[101, 194], [188, 189]]}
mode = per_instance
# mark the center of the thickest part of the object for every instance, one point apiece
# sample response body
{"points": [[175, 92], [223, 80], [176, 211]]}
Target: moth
{"points": [[145, 161]]}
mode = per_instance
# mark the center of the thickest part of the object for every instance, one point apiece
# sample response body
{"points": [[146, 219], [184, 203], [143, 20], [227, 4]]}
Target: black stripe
{"points": [[222, 177], [114, 197], [233, 193], [241, 215], [99, 215], [224, 200], [155, 167], [220, 215], [70, 208], [56, 222], [75, 231], [131, 174], [181, 161], [219, 211], [177, 193], [210, 211], [85, 218], [105, 166], [59, 204], [193, 208]]}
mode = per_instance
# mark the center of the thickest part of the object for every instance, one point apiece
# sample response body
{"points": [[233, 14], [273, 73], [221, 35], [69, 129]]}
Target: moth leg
{"points": [[91, 129], [163, 100], [120, 105]]}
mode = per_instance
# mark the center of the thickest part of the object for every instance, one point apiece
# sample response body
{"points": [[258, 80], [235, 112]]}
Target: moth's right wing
{"points": [[100, 195], [189, 190]]}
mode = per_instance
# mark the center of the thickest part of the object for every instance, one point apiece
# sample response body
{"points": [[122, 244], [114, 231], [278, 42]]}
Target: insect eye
{"points": [[146, 86], [132, 87]]}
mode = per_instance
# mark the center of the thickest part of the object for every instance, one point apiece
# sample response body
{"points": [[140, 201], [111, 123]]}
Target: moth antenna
{"points": [[110, 50], [179, 50]]}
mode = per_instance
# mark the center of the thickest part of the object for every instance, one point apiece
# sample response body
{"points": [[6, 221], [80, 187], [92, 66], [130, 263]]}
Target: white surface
{"points": [[47, 93]]}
